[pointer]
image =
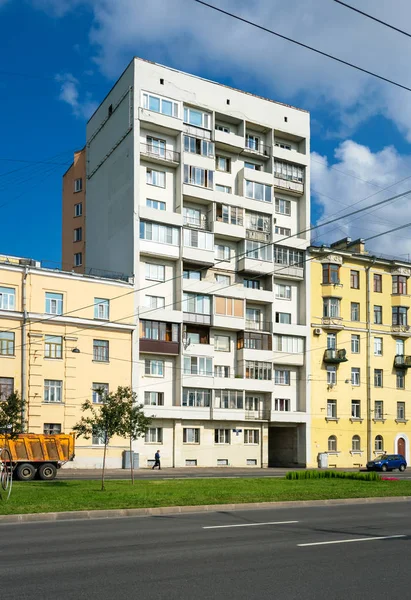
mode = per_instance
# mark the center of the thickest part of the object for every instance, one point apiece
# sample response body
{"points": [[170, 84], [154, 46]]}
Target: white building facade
{"points": [[201, 192]]}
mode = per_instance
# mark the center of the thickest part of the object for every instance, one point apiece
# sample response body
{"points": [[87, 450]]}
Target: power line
{"points": [[288, 39], [361, 12]]}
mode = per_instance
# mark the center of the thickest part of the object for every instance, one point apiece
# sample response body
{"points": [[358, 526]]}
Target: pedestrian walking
{"points": [[157, 460]]}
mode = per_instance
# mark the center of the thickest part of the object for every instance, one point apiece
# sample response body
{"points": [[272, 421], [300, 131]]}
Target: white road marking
{"points": [[367, 539], [249, 524]]}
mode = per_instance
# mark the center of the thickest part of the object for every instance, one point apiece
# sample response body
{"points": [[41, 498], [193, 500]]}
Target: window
{"points": [[198, 146], [256, 341], [355, 409], [253, 142], [189, 274], [6, 343], [257, 191], [155, 272], [400, 379], [282, 377], [258, 222], [191, 435], [99, 391], [154, 398], [222, 128], [223, 164], [222, 279], [377, 315], [355, 311], [6, 387], [53, 346], [331, 273], [251, 436], [355, 344], [222, 436], [51, 428], [331, 307], [288, 171], [52, 390], [222, 343], [226, 189], [161, 105], [78, 234], [155, 301], [78, 185], [379, 443], [194, 217], [198, 118], [7, 298], [331, 375], [252, 166], [399, 347], [401, 411], [258, 370], [332, 443], [378, 377], [377, 283], [355, 279], [283, 145], [399, 315], [100, 350], [257, 251], [331, 341], [252, 403], [332, 409], [154, 435], [222, 252], [377, 346], [229, 214], [399, 284], [98, 437], [283, 207], [356, 443], [157, 178], [198, 176], [228, 399], [196, 397], [198, 239], [156, 204], [156, 146], [252, 284], [54, 304], [283, 231], [78, 259], [288, 343], [196, 304], [163, 234], [221, 371], [78, 209], [288, 256], [101, 309], [230, 307], [159, 331], [284, 318], [154, 367], [355, 376], [378, 409], [282, 404], [198, 365]]}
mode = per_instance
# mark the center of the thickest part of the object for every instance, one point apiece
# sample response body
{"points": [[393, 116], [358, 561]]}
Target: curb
{"points": [[172, 510]]}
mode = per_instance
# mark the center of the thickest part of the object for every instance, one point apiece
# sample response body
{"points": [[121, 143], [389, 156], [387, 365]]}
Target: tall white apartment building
{"points": [[202, 193]]}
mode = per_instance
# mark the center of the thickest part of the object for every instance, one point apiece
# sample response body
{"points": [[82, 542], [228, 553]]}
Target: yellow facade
{"points": [[365, 412], [42, 341]]}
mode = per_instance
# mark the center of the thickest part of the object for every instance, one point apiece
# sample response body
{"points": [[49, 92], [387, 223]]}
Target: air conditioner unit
{"points": [[318, 331]]}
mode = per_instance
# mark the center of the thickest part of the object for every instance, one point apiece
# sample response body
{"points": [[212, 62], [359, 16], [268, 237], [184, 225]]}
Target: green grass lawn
{"points": [[37, 496]]}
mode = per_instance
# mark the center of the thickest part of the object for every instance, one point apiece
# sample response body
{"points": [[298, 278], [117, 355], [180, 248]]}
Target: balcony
{"points": [[257, 415], [159, 155], [332, 323], [401, 330], [402, 362], [198, 319], [202, 223], [228, 140], [255, 149], [258, 236], [159, 347], [259, 325], [160, 122], [334, 357], [255, 266], [288, 185]]}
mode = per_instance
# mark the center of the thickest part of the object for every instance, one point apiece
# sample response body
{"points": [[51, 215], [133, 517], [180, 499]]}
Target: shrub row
{"points": [[370, 476]]}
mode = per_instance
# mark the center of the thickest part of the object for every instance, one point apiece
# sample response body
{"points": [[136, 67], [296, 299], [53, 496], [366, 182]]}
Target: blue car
{"points": [[387, 462]]}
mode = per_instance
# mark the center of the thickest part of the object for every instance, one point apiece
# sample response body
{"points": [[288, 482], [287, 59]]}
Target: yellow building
{"points": [[360, 351], [62, 336]]}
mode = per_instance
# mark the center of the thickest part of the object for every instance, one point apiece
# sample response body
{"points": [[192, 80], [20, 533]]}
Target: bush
{"points": [[370, 476]]}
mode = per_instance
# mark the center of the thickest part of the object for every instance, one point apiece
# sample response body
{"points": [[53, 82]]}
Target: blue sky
{"points": [[60, 57]]}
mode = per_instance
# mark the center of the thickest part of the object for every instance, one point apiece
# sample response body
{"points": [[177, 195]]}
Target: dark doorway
{"points": [[286, 446]]}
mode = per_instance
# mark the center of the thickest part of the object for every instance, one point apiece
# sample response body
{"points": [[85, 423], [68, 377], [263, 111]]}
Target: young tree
{"points": [[11, 415]]}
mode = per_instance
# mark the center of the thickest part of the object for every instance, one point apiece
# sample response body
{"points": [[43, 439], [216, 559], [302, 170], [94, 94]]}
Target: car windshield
{"points": [[381, 457]]}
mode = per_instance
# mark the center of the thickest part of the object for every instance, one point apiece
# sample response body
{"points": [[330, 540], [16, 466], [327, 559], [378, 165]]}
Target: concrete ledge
{"points": [[171, 510]]}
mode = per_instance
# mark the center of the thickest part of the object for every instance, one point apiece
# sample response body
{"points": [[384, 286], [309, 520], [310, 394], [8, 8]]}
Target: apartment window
{"points": [[198, 146], [222, 128], [194, 217], [282, 377], [283, 231], [258, 370], [355, 311], [53, 346], [283, 207], [222, 343], [378, 409], [161, 105], [331, 307], [229, 214], [355, 344], [258, 222], [99, 391], [221, 371], [331, 273], [191, 435], [288, 256], [356, 443], [78, 185], [282, 317], [54, 304], [355, 279], [154, 367], [223, 164], [198, 118], [198, 176], [100, 350], [6, 343], [52, 428], [154, 435], [355, 376], [331, 341], [378, 378], [198, 365], [399, 284], [190, 274], [251, 436], [379, 443], [159, 331], [377, 315], [253, 142], [258, 191], [258, 251], [282, 404], [331, 375], [157, 178], [222, 252], [400, 379], [156, 146], [154, 398], [155, 272], [377, 283], [98, 437], [196, 303], [163, 234], [228, 399], [78, 259], [283, 145], [101, 309], [155, 302], [198, 239], [399, 347], [332, 443], [6, 387], [78, 209], [222, 436], [196, 397], [288, 171], [52, 390], [7, 298], [156, 204], [257, 341], [401, 411], [288, 343], [252, 403], [377, 346], [222, 279], [252, 284], [252, 166], [332, 409], [230, 307], [196, 335], [399, 315], [78, 234], [355, 409], [226, 189]]}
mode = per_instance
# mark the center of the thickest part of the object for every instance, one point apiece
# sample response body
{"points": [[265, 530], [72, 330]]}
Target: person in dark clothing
{"points": [[157, 460]]}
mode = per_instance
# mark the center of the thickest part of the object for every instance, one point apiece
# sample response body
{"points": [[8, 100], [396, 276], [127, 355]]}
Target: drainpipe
{"points": [[24, 350], [368, 362]]}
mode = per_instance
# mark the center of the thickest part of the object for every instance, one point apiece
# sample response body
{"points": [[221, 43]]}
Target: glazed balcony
{"points": [[334, 357], [402, 362]]}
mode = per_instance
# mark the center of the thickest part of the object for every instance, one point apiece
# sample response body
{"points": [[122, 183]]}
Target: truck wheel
{"points": [[25, 472], [47, 471]]}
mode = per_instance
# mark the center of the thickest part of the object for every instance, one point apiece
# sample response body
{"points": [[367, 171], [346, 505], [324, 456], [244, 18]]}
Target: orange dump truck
{"points": [[33, 453]]}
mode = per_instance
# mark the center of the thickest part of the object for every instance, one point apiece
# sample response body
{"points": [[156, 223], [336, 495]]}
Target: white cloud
{"points": [[69, 93], [57, 8]]}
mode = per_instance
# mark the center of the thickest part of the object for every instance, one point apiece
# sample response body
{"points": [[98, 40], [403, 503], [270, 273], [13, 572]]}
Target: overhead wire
{"points": [[380, 21]]}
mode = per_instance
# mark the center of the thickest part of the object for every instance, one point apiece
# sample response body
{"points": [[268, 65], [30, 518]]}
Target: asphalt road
{"points": [[334, 552]]}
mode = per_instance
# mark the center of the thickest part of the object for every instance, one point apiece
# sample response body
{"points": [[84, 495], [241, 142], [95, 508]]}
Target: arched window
{"points": [[379, 443], [356, 443], [332, 443]]}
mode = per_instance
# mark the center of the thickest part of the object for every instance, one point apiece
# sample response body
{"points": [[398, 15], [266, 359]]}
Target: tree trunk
{"points": [[104, 466], [131, 461]]}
